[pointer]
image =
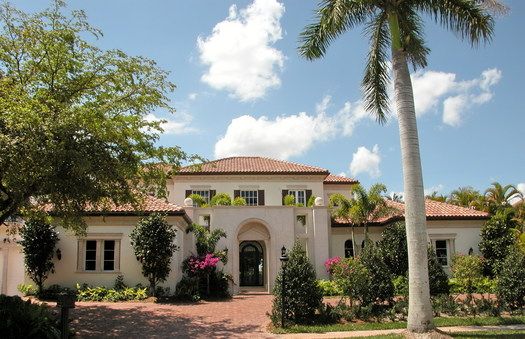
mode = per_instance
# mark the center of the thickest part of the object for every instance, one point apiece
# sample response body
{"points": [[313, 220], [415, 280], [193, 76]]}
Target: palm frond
{"points": [[494, 6], [468, 19], [377, 75], [333, 17], [411, 27]]}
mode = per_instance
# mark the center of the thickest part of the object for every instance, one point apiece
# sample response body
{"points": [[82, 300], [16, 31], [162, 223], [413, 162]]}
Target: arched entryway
{"points": [[251, 264]]}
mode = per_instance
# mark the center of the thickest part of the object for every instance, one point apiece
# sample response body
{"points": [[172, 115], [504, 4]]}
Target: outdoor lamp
{"points": [[284, 256], [284, 259]]}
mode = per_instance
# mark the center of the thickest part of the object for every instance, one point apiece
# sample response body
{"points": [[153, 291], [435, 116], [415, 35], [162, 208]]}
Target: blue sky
{"points": [[242, 89]]}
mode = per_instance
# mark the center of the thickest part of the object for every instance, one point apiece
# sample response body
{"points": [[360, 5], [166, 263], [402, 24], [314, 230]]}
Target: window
{"points": [[251, 197], [349, 249], [205, 194], [99, 254], [300, 196], [441, 252]]}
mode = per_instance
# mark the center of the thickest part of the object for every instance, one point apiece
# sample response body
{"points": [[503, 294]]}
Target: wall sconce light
{"points": [[59, 254]]}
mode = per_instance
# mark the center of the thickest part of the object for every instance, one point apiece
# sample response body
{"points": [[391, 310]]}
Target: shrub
{"points": [[119, 283], [311, 201], [393, 248], [198, 200], [52, 292], [188, 289], [303, 296], [38, 242], [221, 199], [153, 242], [400, 285], [330, 263], [381, 287], [289, 200], [22, 319], [87, 293], [510, 286], [329, 288], [26, 289], [438, 279], [467, 270], [239, 201], [353, 278], [219, 284], [497, 239]]}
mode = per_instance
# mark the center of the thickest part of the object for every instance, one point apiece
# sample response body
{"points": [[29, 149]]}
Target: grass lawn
{"points": [[440, 322], [512, 334]]}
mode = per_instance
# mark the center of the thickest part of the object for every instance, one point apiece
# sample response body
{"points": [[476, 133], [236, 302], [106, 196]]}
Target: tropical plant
{"points": [[499, 196], [239, 201], [289, 200], [153, 243], [221, 199], [340, 207], [466, 197], [206, 240], [497, 238], [467, 270], [437, 197], [76, 119], [311, 201], [303, 295], [198, 200], [398, 25], [38, 243], [368, 205]]}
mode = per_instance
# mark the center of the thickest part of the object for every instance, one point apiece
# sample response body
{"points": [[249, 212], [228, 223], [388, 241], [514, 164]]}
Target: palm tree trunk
{"points": [[419, 307]]}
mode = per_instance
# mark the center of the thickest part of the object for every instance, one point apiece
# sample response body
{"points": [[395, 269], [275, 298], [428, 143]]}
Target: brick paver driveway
{"points": [[242, 316]]}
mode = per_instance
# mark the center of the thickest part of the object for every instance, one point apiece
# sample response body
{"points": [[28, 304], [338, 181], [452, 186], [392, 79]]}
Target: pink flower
{"points": [[330, 262]]}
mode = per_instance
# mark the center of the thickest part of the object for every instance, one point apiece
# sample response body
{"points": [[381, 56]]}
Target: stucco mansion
{"points": [[255, 233]]}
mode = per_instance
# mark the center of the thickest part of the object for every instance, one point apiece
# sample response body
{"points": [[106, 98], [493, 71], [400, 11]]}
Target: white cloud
{"points": [[342, 174], [239, 51], [282, 137], [192, 96], [438, 188], [366, 161], [179, 124], [431, 88]]}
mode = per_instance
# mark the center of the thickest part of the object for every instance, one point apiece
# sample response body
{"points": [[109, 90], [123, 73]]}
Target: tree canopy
{"points": [[74, 125]]}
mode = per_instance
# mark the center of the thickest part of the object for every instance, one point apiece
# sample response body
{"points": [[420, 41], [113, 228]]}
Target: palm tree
{"points": [[340, 207], [398, 24], [465, 196], [437, 197], [499, 196]]}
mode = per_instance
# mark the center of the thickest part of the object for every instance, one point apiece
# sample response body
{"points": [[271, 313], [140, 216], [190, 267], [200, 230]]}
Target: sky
{"points": [[243, 89]]}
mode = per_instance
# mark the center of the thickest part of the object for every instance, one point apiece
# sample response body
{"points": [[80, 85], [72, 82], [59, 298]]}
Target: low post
{"points": [[66, 300], [284, 259]]}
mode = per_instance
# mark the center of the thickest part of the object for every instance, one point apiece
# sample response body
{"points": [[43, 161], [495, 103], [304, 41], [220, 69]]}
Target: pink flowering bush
{"points": [[330, 263], [203, 264]]}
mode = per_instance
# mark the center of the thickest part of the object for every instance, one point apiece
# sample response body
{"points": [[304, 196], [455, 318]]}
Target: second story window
{"points": [[251, 197], [300, 196], [205, 194]]}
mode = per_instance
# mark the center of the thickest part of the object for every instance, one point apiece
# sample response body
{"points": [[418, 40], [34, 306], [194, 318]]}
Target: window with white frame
{"points": [[300, 196], [444, 247], [442, 252], [251, 197], [205, 194], [99, 253]]}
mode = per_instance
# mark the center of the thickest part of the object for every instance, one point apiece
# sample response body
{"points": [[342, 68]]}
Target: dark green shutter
{"points": [[188, 193], [236, 193], [260, 197], [308, 195], [285, 193]]}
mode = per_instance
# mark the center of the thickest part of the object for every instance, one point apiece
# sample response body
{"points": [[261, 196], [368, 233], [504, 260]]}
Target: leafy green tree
{"points": [[437, 276], [497, 239], [38, 242], [510, 287], [393, 248], [498, 196], [368, 205], [153, 243], [398, 26], [381, 287], [303, 296], [75, 123]]}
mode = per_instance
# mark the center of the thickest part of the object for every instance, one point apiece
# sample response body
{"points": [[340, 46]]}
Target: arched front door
{"points": [[251, 259]]}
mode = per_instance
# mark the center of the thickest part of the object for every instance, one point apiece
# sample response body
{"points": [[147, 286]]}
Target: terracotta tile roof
{"points": [[435, 210], [251, 165], [336, 179], [150, 205]]}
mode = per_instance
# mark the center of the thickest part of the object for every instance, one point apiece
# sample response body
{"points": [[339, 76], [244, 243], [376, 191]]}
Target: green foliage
{"points": [[400, 285], [438, 279], [353, 278], [153, 243], [206, 240], [75, 118], [303, 297], [329, 287], [483, 285], [467, 270], [289, 200], [221, 199], [239, 201], [311, 201], [510, 286], [393, 248], [198, 200], [188, 289], [52, 292], [27, 289], [380, 286], [119, 283], [38, 242], [87, 293], [219, 284], [497, 238], [22, 319]]}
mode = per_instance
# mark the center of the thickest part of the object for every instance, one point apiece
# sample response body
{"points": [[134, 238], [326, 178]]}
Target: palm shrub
{"points": [[153, 243], [221, 199], [510, 287], [198, 200], [38, 242], [438, 278], [239, 201], [289, 200], [303, 297]]}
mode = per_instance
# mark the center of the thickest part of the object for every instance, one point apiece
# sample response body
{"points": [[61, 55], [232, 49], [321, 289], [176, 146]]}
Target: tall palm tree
{"points": [[499, 196], [340, 207], [397, 24], [464, 196], [368, 205]]}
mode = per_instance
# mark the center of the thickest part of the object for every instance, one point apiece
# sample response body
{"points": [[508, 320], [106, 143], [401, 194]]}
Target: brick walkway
{"points": [[243, 316]]}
